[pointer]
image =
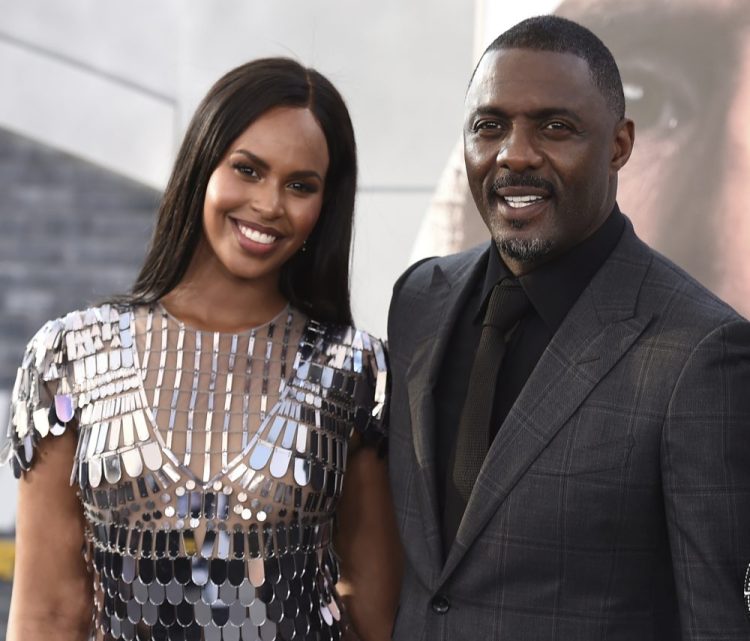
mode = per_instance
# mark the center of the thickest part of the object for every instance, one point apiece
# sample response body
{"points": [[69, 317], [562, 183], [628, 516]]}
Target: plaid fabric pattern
{"points": [[614, 503]]}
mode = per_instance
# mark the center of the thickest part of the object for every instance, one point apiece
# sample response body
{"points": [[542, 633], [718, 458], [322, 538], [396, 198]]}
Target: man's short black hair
{"points": [[552, 33]]}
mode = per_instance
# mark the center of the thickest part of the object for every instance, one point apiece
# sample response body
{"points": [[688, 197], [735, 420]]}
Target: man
{"points": [[578, 468], [686, 71]]}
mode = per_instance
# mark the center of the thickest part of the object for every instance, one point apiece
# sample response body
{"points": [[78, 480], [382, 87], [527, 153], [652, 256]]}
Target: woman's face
{"points": [[265, 195]]}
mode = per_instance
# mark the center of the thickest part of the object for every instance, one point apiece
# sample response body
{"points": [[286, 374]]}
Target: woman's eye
{"points": [[304, 188], [245, 170]]}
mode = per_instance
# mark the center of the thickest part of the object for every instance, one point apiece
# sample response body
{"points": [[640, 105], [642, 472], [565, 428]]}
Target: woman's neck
{"points": [[211, 299]]}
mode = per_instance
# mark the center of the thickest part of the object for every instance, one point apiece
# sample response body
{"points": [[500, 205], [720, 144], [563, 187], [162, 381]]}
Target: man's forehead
{"points": [[497, 65], [521, 57], [541, 74]]}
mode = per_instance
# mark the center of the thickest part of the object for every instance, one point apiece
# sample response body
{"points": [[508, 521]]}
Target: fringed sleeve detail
{"points": [[41, 402]]}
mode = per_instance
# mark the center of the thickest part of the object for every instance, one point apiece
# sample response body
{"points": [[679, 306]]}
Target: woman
{"points": [[208, 417]]}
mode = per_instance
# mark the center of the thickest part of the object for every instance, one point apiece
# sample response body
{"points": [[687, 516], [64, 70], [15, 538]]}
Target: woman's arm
{"points": [[52, 590], [367, 543]]}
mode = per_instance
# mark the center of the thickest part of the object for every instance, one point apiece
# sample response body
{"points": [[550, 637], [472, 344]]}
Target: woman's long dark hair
{"points": [[316, 280]]}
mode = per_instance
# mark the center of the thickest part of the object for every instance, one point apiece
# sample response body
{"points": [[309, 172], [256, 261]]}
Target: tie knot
{"points": [[507, 304]]}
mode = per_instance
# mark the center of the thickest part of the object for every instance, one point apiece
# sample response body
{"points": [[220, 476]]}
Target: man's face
{"points": [[685, 67], [542, 152]]}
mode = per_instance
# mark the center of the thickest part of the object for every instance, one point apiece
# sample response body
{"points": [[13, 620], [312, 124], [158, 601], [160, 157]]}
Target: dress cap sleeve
{"points": [[371, 389], [41, 402]]}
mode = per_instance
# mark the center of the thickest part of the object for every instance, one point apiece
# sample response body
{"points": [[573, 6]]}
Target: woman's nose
{"points": [[266, 200]]}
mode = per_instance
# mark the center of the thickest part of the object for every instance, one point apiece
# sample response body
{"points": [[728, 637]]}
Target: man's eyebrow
{"points": [[535, 114], [489, 111], [554, 112]]}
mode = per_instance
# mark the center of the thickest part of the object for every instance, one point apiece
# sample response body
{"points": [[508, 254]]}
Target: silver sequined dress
{"points": [[208, 465]]}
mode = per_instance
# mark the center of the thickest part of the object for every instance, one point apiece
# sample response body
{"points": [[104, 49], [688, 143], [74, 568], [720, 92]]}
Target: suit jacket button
{"points": [[440, 604]]}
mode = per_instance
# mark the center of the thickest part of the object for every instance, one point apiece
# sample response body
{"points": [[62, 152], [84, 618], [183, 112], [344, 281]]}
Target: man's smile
{"points": [[518, 202]]}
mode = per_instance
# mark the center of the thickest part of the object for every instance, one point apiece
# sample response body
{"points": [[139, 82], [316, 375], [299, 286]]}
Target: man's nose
{"points": [[518, 150]]}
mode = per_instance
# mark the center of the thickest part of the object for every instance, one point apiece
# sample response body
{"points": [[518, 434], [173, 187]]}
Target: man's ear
{"points": [[623, 144]]}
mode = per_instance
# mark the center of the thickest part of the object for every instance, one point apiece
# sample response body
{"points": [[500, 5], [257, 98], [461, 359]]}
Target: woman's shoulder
{"points": [[77, 334], [348, 340], [80, 319], [63, 354], [345, 334], [360, 358]]}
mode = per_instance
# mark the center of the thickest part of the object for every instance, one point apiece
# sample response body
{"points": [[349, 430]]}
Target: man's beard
{"points": [[524, 251]]}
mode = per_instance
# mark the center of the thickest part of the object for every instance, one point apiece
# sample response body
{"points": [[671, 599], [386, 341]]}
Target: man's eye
{"points": [[556, 125], [486, 125]]}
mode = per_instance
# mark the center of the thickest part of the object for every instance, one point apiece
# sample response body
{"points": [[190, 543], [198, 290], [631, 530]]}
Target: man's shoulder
{"points": [[423, 290], [421, 273], [676, 291], [662, 287]]}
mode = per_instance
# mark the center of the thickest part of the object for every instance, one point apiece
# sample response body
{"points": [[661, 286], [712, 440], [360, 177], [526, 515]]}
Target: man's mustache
{"points": [[522, 180]]}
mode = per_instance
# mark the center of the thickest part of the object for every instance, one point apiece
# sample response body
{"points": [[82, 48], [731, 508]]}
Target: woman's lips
{"points": [[255, 238], [255, 234]]}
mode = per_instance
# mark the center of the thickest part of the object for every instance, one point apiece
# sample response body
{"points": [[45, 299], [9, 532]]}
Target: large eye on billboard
{"points": [[685, 68]]}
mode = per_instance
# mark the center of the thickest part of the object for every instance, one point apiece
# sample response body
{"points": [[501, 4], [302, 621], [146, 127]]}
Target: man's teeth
{"points": [[522, 201], [255, 235]]}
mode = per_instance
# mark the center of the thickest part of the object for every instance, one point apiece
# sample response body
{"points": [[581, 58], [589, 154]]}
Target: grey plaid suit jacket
{"points": [[615, 501]]}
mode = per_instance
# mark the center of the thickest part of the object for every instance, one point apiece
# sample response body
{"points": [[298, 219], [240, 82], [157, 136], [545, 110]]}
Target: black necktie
{"points": [[506, 306]]}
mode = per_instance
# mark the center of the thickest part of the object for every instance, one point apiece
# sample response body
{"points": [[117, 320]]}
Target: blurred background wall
{"points": [[96, 94]]}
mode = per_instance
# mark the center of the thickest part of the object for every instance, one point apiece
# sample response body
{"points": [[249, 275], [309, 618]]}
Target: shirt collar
{"points": [[555, 286]]}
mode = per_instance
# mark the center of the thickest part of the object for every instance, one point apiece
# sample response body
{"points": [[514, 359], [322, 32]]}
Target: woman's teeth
{"points": [[255, 235], [522, 201]]}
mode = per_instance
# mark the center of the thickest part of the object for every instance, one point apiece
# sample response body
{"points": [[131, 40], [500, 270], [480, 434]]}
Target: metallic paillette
{"points": [[209, 465]]}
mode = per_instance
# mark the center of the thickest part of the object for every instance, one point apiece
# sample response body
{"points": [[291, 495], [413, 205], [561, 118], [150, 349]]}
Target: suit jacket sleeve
{"points": [[705, 461]]}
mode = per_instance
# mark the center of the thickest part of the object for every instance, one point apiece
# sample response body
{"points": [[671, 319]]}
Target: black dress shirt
{"points": [[552, 289]]}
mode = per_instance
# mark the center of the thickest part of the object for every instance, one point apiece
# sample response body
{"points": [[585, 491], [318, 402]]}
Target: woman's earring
{"points": [[304, 247]]}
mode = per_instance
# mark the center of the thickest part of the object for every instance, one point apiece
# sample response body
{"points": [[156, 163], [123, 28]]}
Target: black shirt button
{"points": [[440, 604]]}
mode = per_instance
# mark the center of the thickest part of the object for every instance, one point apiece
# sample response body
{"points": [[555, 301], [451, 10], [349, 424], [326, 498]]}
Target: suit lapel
{"points": [[600, 328], [444, 299]]}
